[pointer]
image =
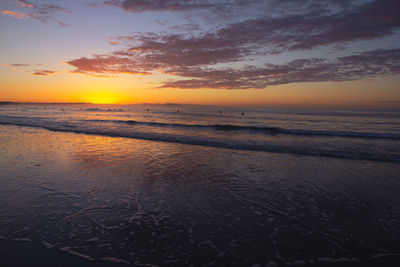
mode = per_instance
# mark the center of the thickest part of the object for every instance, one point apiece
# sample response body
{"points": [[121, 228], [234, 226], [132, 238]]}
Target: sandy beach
{"points": [[98, 200]]}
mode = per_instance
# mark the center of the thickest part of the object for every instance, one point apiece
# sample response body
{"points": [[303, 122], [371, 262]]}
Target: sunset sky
{"points": [[221, 52]]}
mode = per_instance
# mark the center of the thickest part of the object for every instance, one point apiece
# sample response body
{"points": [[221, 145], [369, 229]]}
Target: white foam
{"points": [[115, 260], [68, 249], [47, 244]]}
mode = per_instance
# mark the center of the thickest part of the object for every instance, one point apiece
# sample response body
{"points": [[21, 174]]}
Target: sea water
{"points": [[175, 185], [355, 134]]}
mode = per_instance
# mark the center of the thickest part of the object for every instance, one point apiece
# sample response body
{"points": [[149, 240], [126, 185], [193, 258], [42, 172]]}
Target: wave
{"points": [[378, 114], [295, 112], [212, 142], [231, 128], [262, 129]]}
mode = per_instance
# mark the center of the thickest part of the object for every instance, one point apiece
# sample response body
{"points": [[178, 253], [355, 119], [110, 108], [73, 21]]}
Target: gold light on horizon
{"points": [[103, 98]]}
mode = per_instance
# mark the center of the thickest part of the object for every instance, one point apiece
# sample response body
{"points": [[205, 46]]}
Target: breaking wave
{"points": [[266, 146]]}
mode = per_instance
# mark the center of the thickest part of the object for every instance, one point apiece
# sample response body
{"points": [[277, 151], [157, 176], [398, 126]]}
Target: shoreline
{"points": [[169, 204]]}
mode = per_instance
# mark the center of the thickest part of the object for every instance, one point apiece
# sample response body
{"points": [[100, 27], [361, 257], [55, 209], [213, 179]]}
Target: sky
{"points": [[218, 52]]}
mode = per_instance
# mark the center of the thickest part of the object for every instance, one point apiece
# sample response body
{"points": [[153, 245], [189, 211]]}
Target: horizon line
{"points": [[372, 104]]}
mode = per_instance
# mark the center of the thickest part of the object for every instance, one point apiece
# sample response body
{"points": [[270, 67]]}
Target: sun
{"points": [[102, 98]]}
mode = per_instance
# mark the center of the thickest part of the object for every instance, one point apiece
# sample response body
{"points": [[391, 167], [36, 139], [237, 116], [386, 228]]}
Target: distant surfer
{"points": [[242, 113], [220, 112]]}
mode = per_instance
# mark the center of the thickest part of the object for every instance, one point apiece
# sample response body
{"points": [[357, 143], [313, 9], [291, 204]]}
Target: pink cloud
{"points": [[193, 55], [17, 65], [106, 65], [44, 72], [368, 64]]}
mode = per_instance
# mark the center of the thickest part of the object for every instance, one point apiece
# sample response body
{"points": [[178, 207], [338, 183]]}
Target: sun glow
{"points": [[102, 98]]}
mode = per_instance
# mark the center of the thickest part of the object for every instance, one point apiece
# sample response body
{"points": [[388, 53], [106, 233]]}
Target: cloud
{"points": [[28, 68], [160, 5], [17, 65], [368, 64], [62, 24], [286, 25], [44, 12], [23, 3], [31, 10], [14, 14], [146, 60], [43, 72], [106, 66], [113, 42], [364, 65], [298, 32], [227, 6], [195, 56], [252, 37]]}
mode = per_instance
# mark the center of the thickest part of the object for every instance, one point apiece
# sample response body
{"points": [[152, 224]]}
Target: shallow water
{"points": [[354, 134], [125, 200]]}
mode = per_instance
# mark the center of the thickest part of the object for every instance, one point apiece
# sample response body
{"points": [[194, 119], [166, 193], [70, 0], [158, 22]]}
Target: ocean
{"points": [[186, 185]]}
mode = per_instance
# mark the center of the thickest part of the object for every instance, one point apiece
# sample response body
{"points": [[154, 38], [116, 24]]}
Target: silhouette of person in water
{"points": [[220, 112], [242, 113]]}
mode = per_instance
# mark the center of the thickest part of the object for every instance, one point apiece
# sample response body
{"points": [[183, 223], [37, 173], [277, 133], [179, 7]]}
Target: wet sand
{"points": [[84, 200]]}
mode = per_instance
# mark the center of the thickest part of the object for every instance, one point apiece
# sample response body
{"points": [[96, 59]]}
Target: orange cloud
{"points": [[114, 43], [15, 14], [41, 12], [23, 3]]}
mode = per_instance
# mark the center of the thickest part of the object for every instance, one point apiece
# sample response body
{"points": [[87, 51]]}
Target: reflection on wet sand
{"points": [[125, 201]]}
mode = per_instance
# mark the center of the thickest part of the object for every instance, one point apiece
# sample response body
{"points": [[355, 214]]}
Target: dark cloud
{"points": [[368, 64], [291, 27], [194, 55], [43, 72], [62, 24], [297, 32], [229, 6], [251, 37], [161, 5], [18, 65], [23, 3]]}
